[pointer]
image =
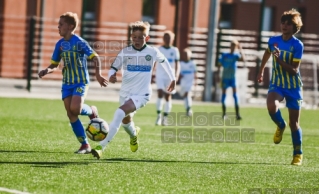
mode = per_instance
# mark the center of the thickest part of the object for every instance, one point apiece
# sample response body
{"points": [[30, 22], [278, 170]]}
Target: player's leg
{"points": [[238, 117], [293, 103], [296, 136], [159, 106], [160, 83], [167, 108], [129, 106], [133, 131], [90, 111], [274, 97], [223, 100], [188, 104], [72, 105]]}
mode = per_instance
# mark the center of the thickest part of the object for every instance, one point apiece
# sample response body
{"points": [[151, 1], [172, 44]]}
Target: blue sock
{"points": [[296, 137], [235, 99], [79, 132], [277, 118], [86, 110], [223, 99]]}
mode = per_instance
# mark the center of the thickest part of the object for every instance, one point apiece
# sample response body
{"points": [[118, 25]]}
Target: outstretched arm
{"points": [[264, 60], [98, 74], [48, 70]]}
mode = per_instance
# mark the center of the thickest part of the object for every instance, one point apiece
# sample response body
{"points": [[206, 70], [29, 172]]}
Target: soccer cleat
{"points": [[165, 121], [95, 113], [97, 152], [84, 149], [158, 120], [134, 140], [238, 118], [297, 160], [278, 134]]}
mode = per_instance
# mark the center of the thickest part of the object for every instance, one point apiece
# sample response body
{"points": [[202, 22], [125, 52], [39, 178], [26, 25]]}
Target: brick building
{"points": [[180, 16]]}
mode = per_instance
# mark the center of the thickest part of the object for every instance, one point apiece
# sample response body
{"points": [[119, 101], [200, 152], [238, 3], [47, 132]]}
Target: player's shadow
{"points": [[30, 151], [112, 160], [46, 164]]}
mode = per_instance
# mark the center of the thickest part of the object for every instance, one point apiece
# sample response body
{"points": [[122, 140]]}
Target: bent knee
{"points": [[127, 119]]}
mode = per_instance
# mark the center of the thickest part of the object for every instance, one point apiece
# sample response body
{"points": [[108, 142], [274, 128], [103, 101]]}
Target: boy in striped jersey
{"points": [[136, 62], [74, 51], [285, 82]]}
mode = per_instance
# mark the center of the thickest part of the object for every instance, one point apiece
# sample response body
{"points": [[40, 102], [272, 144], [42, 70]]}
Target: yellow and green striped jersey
{"points": [[290, 51], [74, 54]]}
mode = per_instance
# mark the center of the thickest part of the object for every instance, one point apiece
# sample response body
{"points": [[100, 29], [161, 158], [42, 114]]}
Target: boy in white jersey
{"points": [[187, 78], [136, 62], [172, 55]]}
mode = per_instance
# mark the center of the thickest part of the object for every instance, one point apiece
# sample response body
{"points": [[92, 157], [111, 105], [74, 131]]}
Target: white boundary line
{"points": [[12, 191]]}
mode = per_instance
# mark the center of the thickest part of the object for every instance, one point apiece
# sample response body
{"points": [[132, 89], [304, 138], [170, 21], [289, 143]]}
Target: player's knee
{"points": [[75, 111], [294, 125], [127, 119]]}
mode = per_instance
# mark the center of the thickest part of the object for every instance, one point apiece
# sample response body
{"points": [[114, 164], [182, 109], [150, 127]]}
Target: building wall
{"points": [[120, 11]]}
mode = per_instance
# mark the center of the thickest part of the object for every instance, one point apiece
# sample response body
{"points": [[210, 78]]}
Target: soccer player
{"points": [[229, 63], [285, 81], [187, 79], [74, 51], [136, 62], [162, 81]]}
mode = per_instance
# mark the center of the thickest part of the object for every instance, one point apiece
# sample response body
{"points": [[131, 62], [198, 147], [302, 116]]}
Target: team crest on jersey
{"points": [[74, 47], [172, 53], [291, 48], [148, 57]]}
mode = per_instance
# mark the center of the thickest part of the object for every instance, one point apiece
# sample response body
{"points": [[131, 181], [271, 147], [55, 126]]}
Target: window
{"points": [[226, 16], [89, 10], [149, 11]]}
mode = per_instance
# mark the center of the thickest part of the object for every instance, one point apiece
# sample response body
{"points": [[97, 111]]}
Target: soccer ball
{"points": [[97, 129]]}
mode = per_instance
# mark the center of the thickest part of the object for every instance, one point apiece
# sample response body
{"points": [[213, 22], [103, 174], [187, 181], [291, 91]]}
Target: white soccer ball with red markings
{"points": [[97, 129]]}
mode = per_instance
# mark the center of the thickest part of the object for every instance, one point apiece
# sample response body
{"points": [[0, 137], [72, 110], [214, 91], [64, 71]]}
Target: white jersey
{"points": [[188, 69], [137, 66], [172, 55]]}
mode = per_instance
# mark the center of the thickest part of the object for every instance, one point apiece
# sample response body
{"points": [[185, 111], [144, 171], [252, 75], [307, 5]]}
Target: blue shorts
{"points": [[74, 90], [228, 83], [292, 96]]}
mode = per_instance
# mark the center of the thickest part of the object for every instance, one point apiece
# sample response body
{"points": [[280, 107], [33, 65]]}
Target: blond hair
{"points": [[170, 33], [294, 17], [71, 19], [140, 26]]}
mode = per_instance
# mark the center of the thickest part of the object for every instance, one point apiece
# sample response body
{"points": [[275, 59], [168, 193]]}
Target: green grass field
{"points": [[37, 145]]}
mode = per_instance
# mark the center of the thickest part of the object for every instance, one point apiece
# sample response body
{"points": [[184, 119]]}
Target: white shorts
{"points": [[163, 83], [184, 89], [139, 101]]}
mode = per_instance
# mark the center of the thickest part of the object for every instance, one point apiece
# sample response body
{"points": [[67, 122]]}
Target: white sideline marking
{"points": [[12, 191]]}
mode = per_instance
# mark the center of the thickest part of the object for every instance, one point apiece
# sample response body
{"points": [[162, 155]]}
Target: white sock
{"points": [[168, 107], [188, 102], [130, 128], [114, 127], [159, 104]]}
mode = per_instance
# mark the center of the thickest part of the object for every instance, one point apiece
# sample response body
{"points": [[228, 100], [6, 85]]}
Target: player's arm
{"points": [[177, 64], [116, 65], [242, 54], [55, 61], [264, 60], [51, 68], [170, 73], [98, 73], [293, 68], [177, 69]]}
